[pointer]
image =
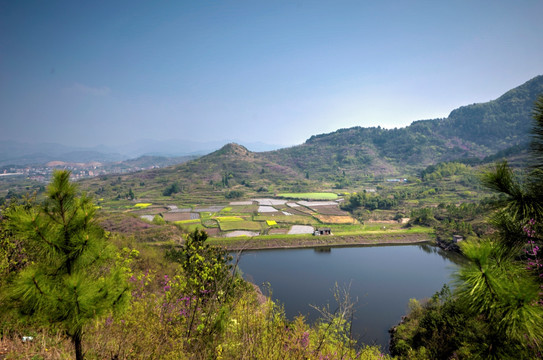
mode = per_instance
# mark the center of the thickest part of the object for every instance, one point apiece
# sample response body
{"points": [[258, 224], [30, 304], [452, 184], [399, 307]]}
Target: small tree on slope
{"points": [[74, 278]]}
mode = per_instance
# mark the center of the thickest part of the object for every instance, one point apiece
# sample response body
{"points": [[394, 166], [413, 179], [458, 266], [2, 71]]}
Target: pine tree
{"points": [[497, 308], [503, 279], [74, 278]]}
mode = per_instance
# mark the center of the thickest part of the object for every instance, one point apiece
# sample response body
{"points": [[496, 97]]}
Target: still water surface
{"points": [[383, 278]]}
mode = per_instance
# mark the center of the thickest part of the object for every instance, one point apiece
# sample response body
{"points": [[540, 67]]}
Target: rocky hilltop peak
{"points": [[233, 149]]}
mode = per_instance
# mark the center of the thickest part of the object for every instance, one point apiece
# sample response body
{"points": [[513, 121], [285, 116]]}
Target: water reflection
{"points": [[446, 255]]}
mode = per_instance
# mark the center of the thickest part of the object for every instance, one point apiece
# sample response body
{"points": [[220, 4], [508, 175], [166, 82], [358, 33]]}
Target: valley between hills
{"points": [[358, 182], [366, 183]]}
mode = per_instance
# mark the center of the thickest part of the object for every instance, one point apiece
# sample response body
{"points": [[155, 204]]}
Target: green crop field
{"points": [[142, 205], [309, 196], [240, 225], [182, 222], [224, 219]]}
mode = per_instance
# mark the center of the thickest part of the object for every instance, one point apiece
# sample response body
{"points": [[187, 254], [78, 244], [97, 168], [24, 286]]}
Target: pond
{"points": [[383, 278]]}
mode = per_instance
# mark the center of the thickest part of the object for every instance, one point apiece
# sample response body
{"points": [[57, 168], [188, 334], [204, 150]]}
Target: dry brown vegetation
{"points": [[331, 219]]}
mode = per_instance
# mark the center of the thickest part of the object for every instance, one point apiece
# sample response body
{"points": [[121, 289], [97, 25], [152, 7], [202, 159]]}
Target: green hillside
{"points": [[497, 124], [229, 173], [473, 131], [342, 160]]}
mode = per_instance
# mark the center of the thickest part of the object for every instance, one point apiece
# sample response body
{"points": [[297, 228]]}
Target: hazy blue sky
{"points": [[101, 72]]}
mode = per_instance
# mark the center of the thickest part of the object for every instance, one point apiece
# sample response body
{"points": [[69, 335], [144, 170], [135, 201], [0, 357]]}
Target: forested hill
{"points": [[495, 129], [472, 131], [496, 124]]}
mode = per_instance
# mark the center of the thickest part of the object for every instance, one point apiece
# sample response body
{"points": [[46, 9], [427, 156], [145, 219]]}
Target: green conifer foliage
{"points": [[497, 308], [503, 280], [74, 278]]}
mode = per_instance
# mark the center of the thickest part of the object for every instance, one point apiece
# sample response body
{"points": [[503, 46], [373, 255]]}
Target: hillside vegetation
{"points": [[71, 290], [473, 131], [350, 158]]}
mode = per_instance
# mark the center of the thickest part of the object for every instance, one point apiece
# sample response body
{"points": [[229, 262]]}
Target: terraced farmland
{"points": [[261, 216]]}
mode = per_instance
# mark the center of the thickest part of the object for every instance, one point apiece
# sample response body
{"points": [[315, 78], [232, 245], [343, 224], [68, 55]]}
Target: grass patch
{"points": [[240, 225], [210, 223], [192, 227], [387, 231], [331, 219], [309, 196], [345, 228], [222, 219]]}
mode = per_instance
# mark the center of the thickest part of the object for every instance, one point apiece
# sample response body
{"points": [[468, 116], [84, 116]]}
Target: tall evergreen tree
{"points": [[503, 279], [74, 278]]}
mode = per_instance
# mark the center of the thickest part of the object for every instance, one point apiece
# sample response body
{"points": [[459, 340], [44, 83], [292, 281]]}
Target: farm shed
{"points": [[457, 238], [322, 231]]}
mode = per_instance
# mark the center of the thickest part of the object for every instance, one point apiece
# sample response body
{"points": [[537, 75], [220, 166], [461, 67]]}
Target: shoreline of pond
{"points": [[256, 243]]}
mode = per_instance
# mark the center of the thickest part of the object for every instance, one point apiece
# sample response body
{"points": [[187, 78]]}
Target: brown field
{"points": [[292, 210], [141, 230], [331, 219], [124, 224], [302, 209], [178, 216], [330, 210], [212, 231], [243, 208]]}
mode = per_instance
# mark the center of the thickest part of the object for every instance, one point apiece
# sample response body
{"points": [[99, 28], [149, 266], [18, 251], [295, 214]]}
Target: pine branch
{"points": [[37, 286]]}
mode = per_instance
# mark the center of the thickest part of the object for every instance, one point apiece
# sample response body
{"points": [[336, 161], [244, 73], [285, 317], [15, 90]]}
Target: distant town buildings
{"points": [[42, 173]]}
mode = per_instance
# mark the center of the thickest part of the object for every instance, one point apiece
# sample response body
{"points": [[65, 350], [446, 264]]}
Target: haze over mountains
{"points": [[469, 132], [472, 131], [18, 153], [346, 157]]}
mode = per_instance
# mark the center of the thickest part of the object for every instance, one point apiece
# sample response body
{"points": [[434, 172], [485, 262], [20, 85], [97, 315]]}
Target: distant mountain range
{"points": [[473, 134], [470, 133], [18, 153], [21, 154]]}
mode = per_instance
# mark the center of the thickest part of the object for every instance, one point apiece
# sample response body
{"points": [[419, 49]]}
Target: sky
{"points": [[84, 73]]}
